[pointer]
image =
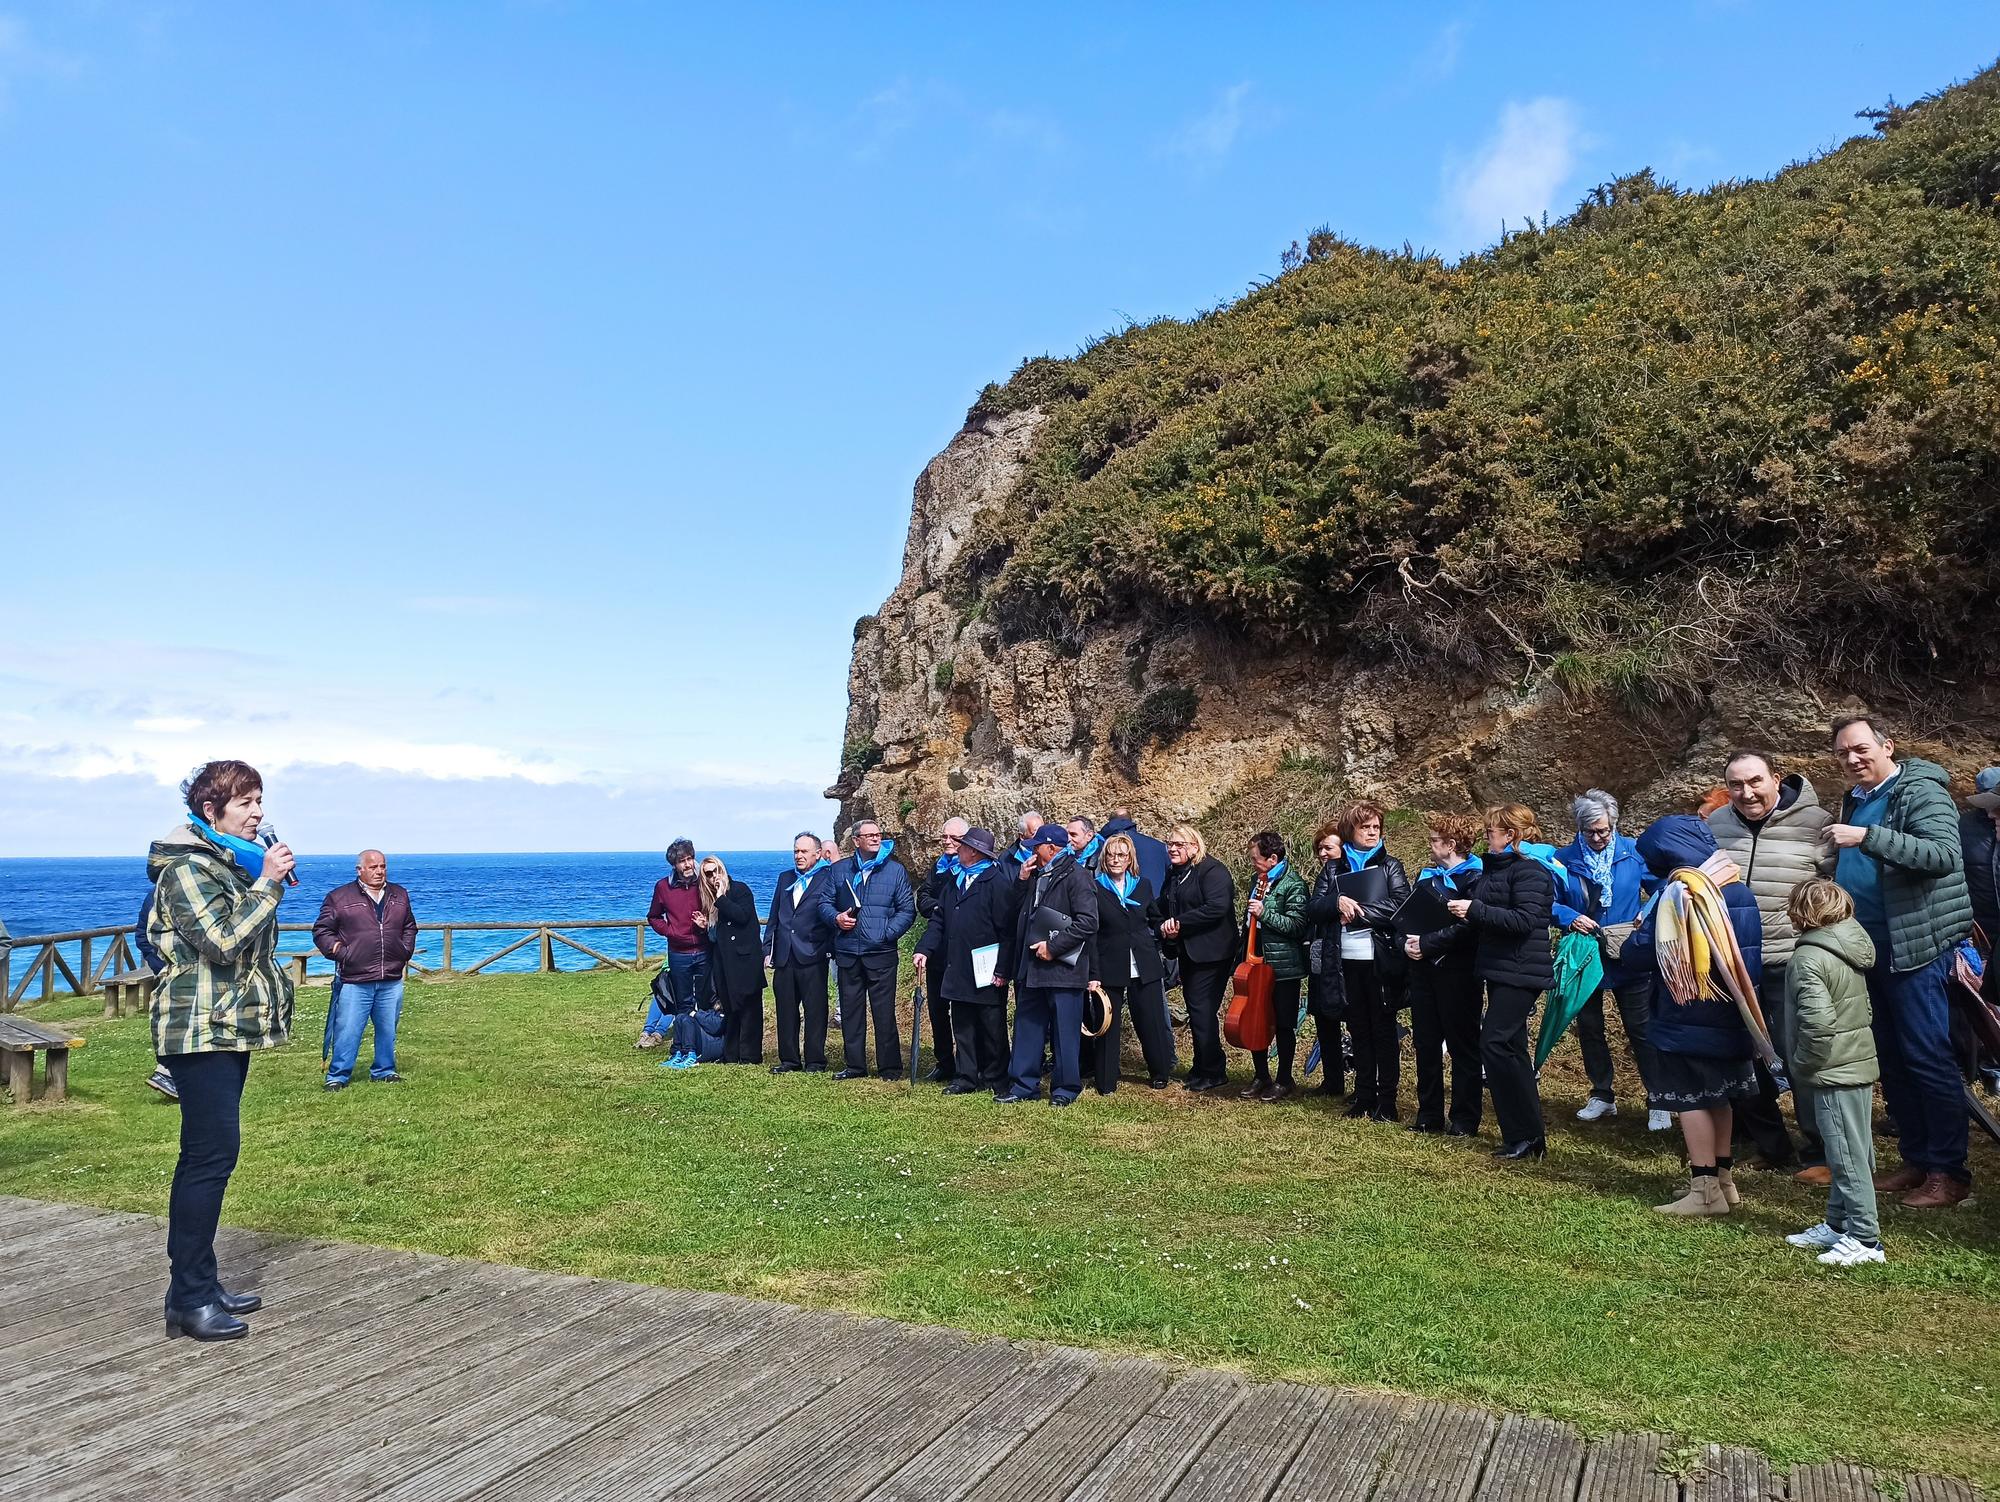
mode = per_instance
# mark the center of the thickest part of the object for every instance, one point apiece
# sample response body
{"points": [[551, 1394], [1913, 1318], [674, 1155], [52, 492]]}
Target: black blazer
{"points": [[798, 935], [735, 952], [984, 913], [1202, 895], [1123, 935], [1449, 950], [1512, 913], [1061, 891]]}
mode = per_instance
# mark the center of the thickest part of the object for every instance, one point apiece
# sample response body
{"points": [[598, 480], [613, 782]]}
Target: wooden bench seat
{"points": [[20, 1041], [129, 990]]}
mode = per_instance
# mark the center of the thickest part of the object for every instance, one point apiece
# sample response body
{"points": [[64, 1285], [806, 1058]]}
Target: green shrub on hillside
{"points": [[1672, 430]]}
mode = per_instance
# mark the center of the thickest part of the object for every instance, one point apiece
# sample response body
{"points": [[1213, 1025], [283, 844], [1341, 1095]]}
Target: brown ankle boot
{"points": [[1704, 1197], [1901, 1181], [1939, 1191], [1730, 1193]]}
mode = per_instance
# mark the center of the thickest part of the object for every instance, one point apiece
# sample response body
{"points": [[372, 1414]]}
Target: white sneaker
{"points": [[1596, 1109], [1847, 1252], [1819, 1238], [1659, 1121]]}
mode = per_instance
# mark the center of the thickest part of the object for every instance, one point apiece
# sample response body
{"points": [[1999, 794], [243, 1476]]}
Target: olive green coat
{"points": [[1826, 987]]}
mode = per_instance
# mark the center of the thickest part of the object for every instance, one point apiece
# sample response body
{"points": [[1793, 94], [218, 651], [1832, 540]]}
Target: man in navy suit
{"points": [[796, 946], [869, 904]]}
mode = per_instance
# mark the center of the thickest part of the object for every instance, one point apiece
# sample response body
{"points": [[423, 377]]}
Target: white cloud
{"points": [[1517, 173], [167, 724], [1209, 138], [1440, 59]]}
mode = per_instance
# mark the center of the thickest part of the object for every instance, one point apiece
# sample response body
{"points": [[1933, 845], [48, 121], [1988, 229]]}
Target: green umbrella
{"points": [[1579, 976]]}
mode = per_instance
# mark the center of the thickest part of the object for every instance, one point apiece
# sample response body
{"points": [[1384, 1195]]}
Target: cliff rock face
{"points": [[1170, 718]]}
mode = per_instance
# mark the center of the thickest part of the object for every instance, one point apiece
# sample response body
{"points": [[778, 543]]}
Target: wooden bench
{"points": [[20, 1041], [129, 990], [298, 964]]}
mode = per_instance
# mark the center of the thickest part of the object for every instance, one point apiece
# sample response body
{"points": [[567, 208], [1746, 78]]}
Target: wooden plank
{"points": [[1250, 1453], [56, 1075], [1437, 1455], [1069, 1446], [1347, 1451], [22, 1032], [1626, 1468], [1836, 1481], [1156, 1450], [1939, 1489], [955, 1460], [1731, 1474], [1532, 1460]]}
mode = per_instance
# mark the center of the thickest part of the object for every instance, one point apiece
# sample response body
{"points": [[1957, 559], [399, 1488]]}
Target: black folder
{"points": [[1423, 912], [1369, 886]]}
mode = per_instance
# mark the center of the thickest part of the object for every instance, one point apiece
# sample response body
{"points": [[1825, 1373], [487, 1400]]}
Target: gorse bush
{"points": [[1671, 431]]}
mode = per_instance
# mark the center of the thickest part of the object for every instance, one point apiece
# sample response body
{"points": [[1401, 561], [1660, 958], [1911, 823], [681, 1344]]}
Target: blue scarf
{"points": [[1446, 874], [865, 869], [1089, 852], [1545, 857], [965, 874], [248, 855], [1271, 876], [947, 865], [803, 879], [1122, 893], [1359, 856], [1597, 866]]}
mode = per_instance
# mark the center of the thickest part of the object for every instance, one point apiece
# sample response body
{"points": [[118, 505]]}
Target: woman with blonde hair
{"points": [[1198, 920], [1510, 914], [736, 961], [1125, 968]]}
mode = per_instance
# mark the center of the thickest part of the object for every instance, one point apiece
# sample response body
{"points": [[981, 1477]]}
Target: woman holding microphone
{"points": [[221, 995]]}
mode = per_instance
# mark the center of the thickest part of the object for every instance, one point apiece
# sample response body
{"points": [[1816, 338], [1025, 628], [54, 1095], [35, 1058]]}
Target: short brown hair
{"points": [[1326, 827], [217, 782], [1516, 818], [1751, 753], [1816, 903], [1875, 726], [1358, 813], [1462, 830]]}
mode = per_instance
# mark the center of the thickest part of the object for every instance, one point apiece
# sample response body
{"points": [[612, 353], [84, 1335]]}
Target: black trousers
{"points": [[940, 1021], [1510, 1066], [796, 988], [1146, 1001], [742, 1026], [211, 1086], [1759, 1119], [1444, 1020], [1285, 1012], [1371, 1023], [1324, 999], [979, 1043], [1202, 986], [868, 988]]}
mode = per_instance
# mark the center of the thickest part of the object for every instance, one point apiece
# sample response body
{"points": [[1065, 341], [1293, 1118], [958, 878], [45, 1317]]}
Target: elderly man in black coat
{"points": [[1052, 938], [965, 958]]}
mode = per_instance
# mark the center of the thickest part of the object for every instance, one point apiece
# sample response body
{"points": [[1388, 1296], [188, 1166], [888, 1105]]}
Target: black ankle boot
{"points": [[1535, 1147], [238, 1303], [209, 1322]]}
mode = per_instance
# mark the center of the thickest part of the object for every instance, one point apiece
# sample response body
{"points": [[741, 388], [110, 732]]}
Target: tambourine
{"points": [[1103, 1010]]}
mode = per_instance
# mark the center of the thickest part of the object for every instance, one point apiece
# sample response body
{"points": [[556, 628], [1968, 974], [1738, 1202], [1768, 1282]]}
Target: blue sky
{"points": [[491, 419]]}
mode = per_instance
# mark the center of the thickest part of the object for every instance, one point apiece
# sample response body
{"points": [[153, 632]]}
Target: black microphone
{"points": [[267, 836]]}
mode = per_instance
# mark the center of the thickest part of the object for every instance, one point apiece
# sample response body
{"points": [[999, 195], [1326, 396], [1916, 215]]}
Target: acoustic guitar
{"points": [[1251, 1023]]}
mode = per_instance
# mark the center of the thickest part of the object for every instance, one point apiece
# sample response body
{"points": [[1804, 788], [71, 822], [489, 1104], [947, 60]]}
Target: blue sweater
{"points": [[1631, 883]]}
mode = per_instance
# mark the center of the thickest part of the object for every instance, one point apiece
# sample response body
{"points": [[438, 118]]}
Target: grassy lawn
{"points": [[1279, 1239]]}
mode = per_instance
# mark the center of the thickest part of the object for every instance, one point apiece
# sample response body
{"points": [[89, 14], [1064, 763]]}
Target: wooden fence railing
{"points": [[94, 953]]}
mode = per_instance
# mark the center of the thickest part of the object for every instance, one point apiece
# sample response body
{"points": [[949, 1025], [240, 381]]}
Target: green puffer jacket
{"points": [[1922, 866], [1826, 988], [1281, 932]]}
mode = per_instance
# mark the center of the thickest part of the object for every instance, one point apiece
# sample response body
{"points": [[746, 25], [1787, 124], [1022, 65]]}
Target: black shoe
{"points": [[1330, 1087], [238, 1303], [1010, 1098], [1159, 1082], [934, 1074], [1428, 1128], [1535, 1147], [1455, 1129], [890, 1074], [209, 1322], [336, 1084], [1359, 1108], [850, 1074], [1061, 1100], [1202, 1086], [960, 1087], [1389, 1116], [784, 1069]]}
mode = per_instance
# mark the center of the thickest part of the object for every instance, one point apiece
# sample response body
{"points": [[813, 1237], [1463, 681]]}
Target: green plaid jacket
{"points": [[217, 930]]}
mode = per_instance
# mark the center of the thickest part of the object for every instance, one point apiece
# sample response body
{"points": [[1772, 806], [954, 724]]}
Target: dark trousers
{"points": [[868, 988], [1921, 1085], [1444, 1020], [1326, 1002], [1510, 1067], [211, 1086], [941, 1037], [1045, 1019], [1285, 1012], [1634, 996], [1202, 986], [1146, 1000], [979, 1042], [1371, 1023], [742, 1027], [797, 988]]}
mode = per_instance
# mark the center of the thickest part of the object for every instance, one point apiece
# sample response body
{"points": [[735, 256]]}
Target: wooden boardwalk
{"points": [[380, 1374]]}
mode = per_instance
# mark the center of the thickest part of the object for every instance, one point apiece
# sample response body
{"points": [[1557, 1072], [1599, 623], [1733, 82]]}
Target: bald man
{"points": [[367, 929]]}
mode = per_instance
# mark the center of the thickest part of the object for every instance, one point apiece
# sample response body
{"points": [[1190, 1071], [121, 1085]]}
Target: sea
{"points": [[61, 894]]}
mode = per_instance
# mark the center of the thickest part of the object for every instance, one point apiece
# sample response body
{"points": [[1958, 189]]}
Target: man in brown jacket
{"points": [[367, 929]]}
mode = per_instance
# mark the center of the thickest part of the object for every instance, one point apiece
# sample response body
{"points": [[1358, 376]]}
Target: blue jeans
{"points": [[361, 1001], [1036, 1011], [1920, 1080]]}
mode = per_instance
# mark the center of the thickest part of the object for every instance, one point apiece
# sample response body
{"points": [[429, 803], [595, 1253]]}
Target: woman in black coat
{"points": [[1445, 992], [1198, 920], [1326, 992], [1511, 914], [1126, 968], [1372, 966], [735, 962]]}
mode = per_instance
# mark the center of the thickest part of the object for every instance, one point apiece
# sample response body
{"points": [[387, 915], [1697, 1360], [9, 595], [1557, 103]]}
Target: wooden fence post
{"points": [[548, 952], [447, 949]]}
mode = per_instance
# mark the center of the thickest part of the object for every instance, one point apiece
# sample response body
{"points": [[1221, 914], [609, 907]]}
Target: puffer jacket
{"points": [[1788, 848], [887, 911], [1704, 1028], [1982, 867], [372, 945], [1282, 931], [1629, 887], [1826, 987], [1922, 867], [1510, 915], [217, 930]]}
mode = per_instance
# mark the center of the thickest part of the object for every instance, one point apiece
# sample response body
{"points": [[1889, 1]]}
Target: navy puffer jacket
{"points": [[1702, 1029]]}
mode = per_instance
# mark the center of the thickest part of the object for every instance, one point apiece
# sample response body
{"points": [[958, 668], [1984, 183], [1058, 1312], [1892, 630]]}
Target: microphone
{"points": [[267, 836]]}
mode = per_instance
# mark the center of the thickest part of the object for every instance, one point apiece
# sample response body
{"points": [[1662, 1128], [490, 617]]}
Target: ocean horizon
{"points": [[61, 894]]}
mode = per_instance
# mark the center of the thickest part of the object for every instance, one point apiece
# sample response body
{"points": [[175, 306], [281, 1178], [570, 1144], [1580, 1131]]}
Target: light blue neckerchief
{"points": [[1360, 855], [865, 869], [964, 874], [1089, 852], [1447, 874], [248, 855], [803, 879], [1123, 894], [1271, 876]]}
